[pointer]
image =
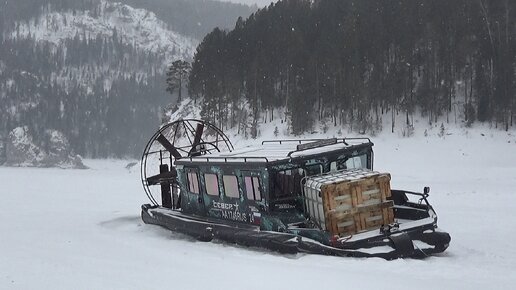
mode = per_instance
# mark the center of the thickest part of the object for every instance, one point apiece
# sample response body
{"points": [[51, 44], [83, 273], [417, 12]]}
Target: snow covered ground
{"points": [[80, 229]]}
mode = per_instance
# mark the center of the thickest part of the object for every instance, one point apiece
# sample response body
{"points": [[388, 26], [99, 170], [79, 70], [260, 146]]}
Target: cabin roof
{"points": [[270, 151]]}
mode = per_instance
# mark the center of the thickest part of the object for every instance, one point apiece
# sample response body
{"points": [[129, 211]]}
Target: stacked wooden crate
{"points": [[350, 201]]}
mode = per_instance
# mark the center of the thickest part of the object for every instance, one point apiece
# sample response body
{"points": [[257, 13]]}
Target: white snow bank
{"points": [[69, 229], [21, 150]]}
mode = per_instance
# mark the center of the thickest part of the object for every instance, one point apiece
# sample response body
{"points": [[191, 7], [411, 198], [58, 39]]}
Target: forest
{"points": [[356, 62]]}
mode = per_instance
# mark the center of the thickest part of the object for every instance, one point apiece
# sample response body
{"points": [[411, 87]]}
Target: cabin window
{"points": [[287, 183], [212, 184], [252, 187], [313, 169], [193, 182], [339, 164], [354, 162], [359, 161], [230, 186]]}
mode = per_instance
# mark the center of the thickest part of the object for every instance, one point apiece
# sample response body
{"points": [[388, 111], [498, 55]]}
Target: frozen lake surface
{"points": [[81, 229]]}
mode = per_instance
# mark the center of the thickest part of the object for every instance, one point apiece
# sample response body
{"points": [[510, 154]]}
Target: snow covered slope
{"points": [[138, 27], [97, 70], [259, 3], [80, 229]]}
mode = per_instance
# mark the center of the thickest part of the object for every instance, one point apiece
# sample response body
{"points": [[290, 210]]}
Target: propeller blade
{"points": [[159, 178], [197, 139], [163, 141]]}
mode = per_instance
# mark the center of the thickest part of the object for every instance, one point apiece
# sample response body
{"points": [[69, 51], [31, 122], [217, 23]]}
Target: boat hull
{"points": [[417, 241]]}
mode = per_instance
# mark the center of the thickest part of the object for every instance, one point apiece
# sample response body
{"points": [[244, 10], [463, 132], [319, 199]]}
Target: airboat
{"points": [[316, 196]]}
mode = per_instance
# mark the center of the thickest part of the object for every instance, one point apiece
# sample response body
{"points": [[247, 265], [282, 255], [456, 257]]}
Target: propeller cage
{"points": [[179, 139]]}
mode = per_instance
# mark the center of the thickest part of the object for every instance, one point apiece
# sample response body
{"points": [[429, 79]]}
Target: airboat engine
{"points": [[183, 138]]}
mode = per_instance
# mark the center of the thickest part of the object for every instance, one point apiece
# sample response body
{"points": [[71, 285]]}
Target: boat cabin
{"points": [[248, 183]]}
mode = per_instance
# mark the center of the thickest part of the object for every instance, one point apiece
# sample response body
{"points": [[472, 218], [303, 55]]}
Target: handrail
{"points": [[424, 197], [265, 159], [301, 141], [313, 145], [329, 141], [224, 158], [356, 138]]}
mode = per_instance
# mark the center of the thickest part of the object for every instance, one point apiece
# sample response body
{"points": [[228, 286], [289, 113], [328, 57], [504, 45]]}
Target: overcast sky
{"points": [[260, 3]]}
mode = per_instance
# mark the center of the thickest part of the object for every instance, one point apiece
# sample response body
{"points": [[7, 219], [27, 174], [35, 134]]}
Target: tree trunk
{"points": [[180, 90], [393, 117]]}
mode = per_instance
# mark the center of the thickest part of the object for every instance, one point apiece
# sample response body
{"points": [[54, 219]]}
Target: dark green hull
{"points": [[419, 241]]}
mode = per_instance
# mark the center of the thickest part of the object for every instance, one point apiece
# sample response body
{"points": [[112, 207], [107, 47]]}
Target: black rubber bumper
{"points": [[401, 244]]}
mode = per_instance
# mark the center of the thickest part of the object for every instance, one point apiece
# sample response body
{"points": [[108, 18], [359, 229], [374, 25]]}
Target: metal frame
{"points": [[162, 153]]}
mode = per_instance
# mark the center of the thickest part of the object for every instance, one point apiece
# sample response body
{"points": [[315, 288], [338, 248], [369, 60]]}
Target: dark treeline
{"points": [[352, 62], [104, 95]]}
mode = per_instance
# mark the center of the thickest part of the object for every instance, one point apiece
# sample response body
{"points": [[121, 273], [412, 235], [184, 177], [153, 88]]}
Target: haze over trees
{"points": [[354, 62], [104, 93], [194, 18]]}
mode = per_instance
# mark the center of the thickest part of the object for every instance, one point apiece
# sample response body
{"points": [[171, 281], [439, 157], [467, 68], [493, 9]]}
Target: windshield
{"points": [[353, 162]]}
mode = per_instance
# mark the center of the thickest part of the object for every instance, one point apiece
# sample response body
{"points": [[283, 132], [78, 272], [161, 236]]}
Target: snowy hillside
{"points": [[259, 3], [136, 27], [80, 229], [273, 124], [90, 73]]}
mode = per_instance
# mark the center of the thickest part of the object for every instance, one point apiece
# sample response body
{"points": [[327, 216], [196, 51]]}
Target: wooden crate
{"points": [[355, 201], [359, 219]]}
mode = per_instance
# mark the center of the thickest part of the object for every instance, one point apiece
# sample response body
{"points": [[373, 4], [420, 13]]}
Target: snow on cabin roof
{"points": [[273, 151]]}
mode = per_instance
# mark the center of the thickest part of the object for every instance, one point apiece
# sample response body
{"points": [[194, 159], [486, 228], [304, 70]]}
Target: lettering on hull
{"points": [[231, 211]]}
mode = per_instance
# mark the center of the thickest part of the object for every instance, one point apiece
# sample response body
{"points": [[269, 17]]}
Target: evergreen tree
{"points": [[177, 77]]}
